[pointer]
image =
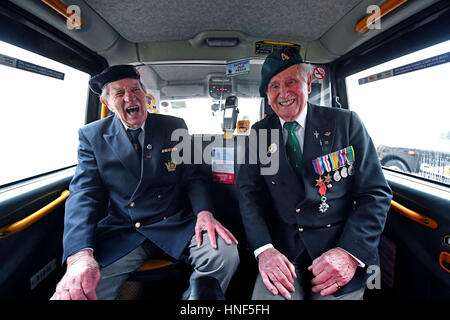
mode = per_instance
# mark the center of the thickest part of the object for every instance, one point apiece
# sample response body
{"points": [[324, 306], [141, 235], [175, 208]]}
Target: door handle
{"points": [[20, 225], [444, 261], [413, 215]]}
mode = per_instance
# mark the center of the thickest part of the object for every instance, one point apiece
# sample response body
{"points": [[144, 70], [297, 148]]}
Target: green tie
{"points": [[293, 150]]}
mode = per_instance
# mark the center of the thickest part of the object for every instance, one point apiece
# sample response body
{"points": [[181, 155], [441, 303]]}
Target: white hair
{"points": [[305, 68]]}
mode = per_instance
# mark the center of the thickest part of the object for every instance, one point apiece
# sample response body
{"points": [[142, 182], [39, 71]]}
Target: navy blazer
{"points": [[111, 191], [284, 210]]}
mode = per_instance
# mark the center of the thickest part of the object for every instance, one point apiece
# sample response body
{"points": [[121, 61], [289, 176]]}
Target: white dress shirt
{"points": [[300, 134], [141, 134]]}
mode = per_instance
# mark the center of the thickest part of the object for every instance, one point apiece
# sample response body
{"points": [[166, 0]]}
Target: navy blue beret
{"points": [[114, 73], [276, 62]]}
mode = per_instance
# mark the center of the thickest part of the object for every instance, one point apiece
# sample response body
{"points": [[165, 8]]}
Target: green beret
{"points": [[276, 62], [114, 73]]}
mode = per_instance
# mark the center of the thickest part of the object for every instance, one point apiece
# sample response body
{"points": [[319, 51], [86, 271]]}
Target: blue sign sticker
{"points": [[27, 66], [238, 68], [418, 65]]}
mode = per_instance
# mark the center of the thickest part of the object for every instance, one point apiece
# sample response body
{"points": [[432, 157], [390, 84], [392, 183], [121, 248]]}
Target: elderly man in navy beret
{"points": [[129, 201], [314, 225]]}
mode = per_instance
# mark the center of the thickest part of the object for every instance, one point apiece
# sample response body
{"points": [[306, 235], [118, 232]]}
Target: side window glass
{"points": [[405, 106], [43, 105]]}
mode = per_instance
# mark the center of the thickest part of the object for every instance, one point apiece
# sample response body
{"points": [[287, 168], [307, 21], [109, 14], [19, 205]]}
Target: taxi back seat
{"points": [[226, 210]]}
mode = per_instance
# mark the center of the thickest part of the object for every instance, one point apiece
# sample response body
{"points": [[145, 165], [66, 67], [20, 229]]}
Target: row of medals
{"points": [[338, 174]]}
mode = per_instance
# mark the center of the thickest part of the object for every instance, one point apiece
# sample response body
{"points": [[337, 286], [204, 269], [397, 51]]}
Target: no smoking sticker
{"points": [[319, 72]]}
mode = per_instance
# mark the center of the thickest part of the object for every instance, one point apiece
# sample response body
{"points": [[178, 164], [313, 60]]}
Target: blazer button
{"points": [[137, 225], [297, 210], [300, 229], [328, 225], [164, 218], [159, 196], [273, 182], [132, 204]]}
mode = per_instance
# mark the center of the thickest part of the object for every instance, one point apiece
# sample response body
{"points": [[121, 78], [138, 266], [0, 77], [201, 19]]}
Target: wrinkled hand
{"points": [[81, 278], [333, 267], [207, 222], [277, 272]]}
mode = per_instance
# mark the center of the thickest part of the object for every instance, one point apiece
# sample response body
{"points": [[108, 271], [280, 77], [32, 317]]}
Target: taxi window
{"points": [[205, 116], [44, 104], [405, 107]]}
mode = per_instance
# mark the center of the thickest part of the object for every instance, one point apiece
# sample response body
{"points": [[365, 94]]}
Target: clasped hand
{"points": [[332, 270]]}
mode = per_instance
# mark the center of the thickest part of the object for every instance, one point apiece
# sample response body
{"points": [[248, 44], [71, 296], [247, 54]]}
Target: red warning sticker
{"points": [[319, 72]]}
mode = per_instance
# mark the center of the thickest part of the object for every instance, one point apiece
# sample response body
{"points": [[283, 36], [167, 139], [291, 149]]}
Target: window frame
{"points": [[427, 28], [22, 29]]}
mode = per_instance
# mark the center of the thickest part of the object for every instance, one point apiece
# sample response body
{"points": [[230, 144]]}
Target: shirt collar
{"points": [[301, 118], [126, 127]]}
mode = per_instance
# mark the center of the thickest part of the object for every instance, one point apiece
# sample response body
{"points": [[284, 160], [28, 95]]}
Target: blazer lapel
{"points": [[319, 134], [151, 152], [121, 146]]}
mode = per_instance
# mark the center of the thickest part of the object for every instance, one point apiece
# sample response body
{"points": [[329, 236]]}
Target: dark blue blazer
{"points": [[111, 191], [283, 210]]}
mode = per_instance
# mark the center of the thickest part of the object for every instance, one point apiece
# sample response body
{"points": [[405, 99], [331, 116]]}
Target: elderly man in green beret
{"points": [[314, 225]]}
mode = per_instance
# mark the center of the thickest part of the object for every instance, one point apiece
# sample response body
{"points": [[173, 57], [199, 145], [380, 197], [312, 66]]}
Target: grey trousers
{"points": [[220, 263], [302, 290]]}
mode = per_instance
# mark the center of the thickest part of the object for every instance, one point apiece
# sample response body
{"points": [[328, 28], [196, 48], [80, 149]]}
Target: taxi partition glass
{"points": [[198, 92]]}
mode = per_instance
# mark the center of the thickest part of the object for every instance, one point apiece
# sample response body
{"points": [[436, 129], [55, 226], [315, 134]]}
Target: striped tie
{"points": [[134, 134]]}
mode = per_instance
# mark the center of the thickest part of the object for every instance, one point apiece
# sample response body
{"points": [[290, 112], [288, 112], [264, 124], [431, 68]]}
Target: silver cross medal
{"points": [[323, 207]]}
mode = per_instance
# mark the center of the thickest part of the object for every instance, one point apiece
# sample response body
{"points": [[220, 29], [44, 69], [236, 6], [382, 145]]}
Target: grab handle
{"points": [[412, 215], [20, 225]]}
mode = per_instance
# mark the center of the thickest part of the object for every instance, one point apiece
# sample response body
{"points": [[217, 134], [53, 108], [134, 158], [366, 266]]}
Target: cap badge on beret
{"points": [[279, 60], [284, 57]]}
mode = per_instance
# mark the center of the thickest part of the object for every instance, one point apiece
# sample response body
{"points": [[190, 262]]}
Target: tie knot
{"points": [[290, 126], [134, 133]]}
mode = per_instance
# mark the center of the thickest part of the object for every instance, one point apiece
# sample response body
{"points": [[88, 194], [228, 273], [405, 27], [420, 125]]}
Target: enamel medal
{"points": [[336, 176], [344, 172], [322, 165], [333, 166], [350, 155], [334, 158], [323, 207]]}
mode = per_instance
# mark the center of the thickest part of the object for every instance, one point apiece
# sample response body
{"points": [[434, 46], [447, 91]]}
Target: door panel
{"points": [[31, 258], [413, 261]]}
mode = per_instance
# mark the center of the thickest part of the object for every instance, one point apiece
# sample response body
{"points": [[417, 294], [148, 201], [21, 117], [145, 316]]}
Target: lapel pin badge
{"points": [[171, 166], [272, 148]]}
